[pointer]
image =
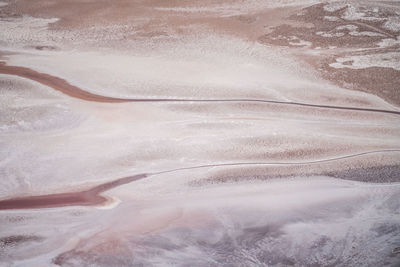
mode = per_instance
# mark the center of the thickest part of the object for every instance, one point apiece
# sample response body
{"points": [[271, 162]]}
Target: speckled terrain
{"points": [[199, 133]]}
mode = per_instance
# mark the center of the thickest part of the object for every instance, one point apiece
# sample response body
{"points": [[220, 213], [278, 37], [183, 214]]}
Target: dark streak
{"points": [[92, 196], [66, 88]]}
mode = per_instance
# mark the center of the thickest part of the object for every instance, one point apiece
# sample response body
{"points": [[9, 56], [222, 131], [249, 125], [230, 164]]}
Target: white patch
{"points": [[353, 12], [352, 30], [111, 203], [393, 24], [385, 60], [349, 27], [330, 35], [301, 43], [331, 18], [388, 42], [366, 33], [335, 6], [294, 40]]}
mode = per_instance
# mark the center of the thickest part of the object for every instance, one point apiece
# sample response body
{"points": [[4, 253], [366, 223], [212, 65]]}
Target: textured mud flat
{"points": [[199, 133]]}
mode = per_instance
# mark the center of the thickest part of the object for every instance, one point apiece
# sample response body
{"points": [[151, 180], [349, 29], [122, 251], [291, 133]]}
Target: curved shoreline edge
{"points": [[93, 197], [68, 89]]}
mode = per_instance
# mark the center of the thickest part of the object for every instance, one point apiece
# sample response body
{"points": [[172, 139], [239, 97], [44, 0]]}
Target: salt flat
{"points": [[201, 133]]}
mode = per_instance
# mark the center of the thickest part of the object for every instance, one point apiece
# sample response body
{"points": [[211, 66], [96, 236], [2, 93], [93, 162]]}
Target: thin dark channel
{"points": [[93, 196], [66, 88]]}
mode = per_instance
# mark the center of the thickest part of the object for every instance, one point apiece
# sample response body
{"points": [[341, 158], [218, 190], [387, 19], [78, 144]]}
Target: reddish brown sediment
{"points": [[56, 83], [92, 196], [85, 198], [66, 88], [89, 197], [380, 81]]}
